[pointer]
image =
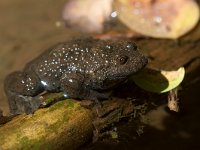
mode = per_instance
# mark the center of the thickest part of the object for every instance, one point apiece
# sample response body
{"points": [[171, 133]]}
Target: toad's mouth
{"points": [[122, 78]]}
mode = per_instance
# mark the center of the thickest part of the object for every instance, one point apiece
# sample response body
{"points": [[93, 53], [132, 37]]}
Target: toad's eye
{"points": [[122, 59]]}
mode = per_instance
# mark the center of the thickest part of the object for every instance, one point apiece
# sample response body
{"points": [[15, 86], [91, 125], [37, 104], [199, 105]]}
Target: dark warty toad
{"points": [[82, 69]]}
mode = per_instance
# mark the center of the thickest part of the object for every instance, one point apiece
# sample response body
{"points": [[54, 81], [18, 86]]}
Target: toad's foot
{"points": [[26, 104]]}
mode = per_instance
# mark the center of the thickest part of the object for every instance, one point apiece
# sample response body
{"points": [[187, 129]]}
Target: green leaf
{"points": [[158, 81]]}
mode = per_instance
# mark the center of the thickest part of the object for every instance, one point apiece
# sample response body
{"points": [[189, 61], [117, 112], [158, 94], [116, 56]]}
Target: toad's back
{"points": [[89, 57], [72, 57]]}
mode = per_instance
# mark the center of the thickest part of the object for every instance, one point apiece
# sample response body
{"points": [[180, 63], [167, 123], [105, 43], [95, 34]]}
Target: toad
{"points": [[81, 68]]}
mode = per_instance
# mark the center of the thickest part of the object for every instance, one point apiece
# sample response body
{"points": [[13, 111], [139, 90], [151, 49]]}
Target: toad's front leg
{"points": [[72, 84], [22, 89]]}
